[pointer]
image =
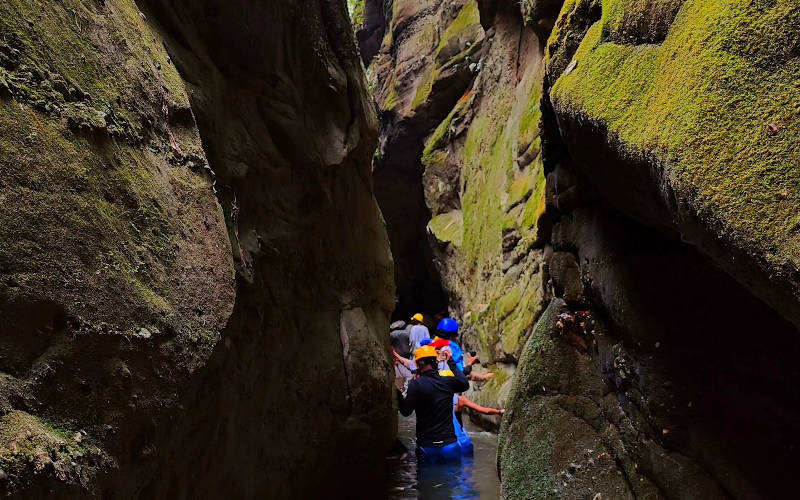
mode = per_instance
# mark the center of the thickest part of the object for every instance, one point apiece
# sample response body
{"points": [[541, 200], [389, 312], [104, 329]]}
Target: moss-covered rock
{"points": [[427, 59], [114, 247], [481, 158], [447, 228], [32, 450], [711, 110], [435, 50], [556, 441], [117, 274]]}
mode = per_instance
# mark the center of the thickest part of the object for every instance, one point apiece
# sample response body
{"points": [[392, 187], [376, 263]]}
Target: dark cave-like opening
{"points": [[712, 361], [399, 190]]}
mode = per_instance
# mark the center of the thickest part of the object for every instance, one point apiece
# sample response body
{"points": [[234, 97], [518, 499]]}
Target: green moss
{"points": [[515, 327], [448, 228], [465, 23], [440, 136], [514, 331], [536, 204], [464, 28], [425, 87], [125, 71], [356, 10], [527, 436], [508, 302], [435, 158], [528, 451], [27, 434], [521, 189], [71, 203], [495, 391], [487, 164], [493, 199], [30, 444], [699, 103], [500, 377], [391, 99], [639, 21], [104, 202], [529, 121], [511, 219], [524, 453]]}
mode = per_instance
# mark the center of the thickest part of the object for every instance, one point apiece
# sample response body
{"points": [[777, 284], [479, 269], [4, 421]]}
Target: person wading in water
{"points": [[431, 397]]}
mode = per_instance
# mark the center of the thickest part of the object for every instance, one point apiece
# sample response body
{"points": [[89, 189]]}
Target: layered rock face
{"points": [[612, 208], [421, 69], [194, 277]]}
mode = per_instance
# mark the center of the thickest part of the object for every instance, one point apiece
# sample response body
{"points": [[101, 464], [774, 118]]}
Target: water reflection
{"points": [[474, 477]]}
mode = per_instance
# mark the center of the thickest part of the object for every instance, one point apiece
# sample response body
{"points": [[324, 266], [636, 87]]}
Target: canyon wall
{"points": [[195, 280], [612, 190]]}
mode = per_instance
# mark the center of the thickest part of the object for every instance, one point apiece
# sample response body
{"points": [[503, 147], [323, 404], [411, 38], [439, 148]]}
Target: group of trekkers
{"points": [[430, 374]]}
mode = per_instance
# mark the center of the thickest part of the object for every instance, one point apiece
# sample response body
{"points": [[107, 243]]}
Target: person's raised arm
{"points": [[400, 359], [408, 403]]}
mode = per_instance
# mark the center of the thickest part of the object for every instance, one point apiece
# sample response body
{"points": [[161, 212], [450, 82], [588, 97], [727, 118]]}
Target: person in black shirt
{"points": [[431, 397]]}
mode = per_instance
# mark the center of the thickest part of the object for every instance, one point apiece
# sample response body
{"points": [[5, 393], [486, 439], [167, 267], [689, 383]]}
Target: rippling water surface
{"points": [[475, 477]]}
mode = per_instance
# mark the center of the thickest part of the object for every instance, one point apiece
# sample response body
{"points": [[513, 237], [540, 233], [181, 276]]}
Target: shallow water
{"points": [[475, 477]]}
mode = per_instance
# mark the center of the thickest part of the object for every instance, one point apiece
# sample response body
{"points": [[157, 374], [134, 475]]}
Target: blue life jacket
{"points": [[458, 355]]}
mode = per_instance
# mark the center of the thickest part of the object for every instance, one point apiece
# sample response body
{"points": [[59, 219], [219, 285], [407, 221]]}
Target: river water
{"points": [[475, 477]]}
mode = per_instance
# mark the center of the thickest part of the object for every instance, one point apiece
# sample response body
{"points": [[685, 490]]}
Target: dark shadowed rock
{"points": [[195, 284]]}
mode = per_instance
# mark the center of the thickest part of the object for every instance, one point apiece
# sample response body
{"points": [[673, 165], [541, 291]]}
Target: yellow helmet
{"points": [[425, 351], [418, 317], [446, 373]]}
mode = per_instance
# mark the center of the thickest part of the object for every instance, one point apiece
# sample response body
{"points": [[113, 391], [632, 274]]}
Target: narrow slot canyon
{"points": [[220, 220]]}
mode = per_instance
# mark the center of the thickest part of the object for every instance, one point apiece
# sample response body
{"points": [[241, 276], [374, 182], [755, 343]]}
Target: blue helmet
{"points": [[448, 325]]}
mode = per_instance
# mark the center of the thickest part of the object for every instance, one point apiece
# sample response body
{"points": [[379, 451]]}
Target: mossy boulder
{"points": [[703, 122], [555, 441], [115, 263], [447, 228]]}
